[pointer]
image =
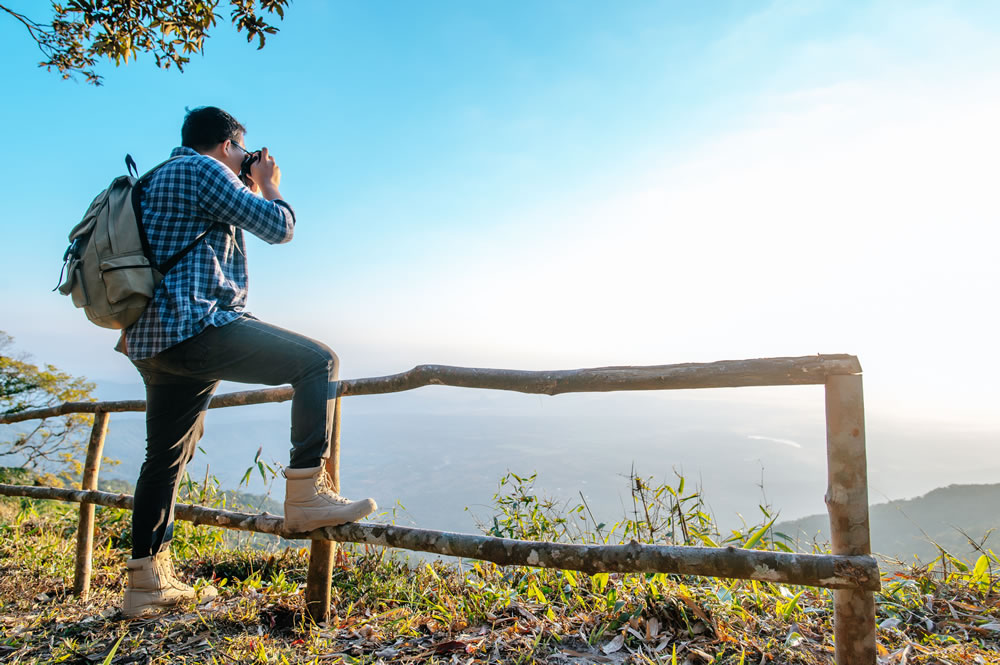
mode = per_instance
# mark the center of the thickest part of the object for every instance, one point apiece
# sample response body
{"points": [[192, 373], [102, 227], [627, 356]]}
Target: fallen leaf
{"points": [[700, 613], [598, 658], [709, 658], [449, 646], [615, 644], [652, 628]]}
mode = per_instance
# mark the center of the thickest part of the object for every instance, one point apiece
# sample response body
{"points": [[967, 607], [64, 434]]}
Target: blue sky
{"points": [[566, 184]]}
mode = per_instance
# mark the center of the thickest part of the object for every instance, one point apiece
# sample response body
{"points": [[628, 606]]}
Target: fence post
{"points": [[847, 504], [85, 530], [322, 552]]}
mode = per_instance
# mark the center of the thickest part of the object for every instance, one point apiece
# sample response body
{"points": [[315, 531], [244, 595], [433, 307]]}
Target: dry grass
{"points": [[389, 611]]}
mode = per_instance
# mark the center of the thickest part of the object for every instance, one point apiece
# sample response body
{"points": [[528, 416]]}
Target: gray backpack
{"points": [[109, 267]]}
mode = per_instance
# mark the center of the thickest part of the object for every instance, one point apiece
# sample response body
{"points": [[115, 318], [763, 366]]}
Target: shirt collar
{"points": [[183, 150]]}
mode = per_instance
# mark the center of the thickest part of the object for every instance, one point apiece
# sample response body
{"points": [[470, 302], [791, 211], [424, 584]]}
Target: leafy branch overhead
{"points": [[83, 32]]}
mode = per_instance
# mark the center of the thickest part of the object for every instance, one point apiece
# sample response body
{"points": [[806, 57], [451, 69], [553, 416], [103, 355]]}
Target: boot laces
{"points": [[173, 580], [324, 487]]}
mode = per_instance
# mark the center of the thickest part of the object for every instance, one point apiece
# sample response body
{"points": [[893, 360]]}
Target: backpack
{"points": [[109, 267]]}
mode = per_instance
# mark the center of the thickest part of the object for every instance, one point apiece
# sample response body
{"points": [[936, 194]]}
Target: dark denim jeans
{"points": [[180, 382]]}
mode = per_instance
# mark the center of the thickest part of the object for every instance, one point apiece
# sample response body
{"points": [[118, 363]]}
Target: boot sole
{"points": [[153, 608], [307, 525], [142, 610]]}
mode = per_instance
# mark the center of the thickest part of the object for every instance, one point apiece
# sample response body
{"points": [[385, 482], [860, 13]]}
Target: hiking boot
{"points": [[153, 585], [311, 503]]}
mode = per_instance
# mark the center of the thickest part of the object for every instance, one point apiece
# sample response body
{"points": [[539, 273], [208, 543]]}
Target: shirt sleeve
{"points": [[224, 197]]}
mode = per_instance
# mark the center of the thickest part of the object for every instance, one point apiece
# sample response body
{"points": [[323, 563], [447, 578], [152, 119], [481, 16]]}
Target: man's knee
{"points": [[328, 360]]}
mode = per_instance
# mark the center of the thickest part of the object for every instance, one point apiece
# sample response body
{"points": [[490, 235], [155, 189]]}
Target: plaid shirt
{"points": [[209, 285]]}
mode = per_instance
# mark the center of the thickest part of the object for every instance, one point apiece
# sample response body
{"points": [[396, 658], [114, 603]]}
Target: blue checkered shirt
{"points": [[209, 285]]}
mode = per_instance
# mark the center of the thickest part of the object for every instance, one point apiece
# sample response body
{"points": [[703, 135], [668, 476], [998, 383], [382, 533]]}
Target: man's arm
{"points": [[224, 197]]}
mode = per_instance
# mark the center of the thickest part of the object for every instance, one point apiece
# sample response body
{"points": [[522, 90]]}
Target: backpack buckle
{"points": [[71, 250]]}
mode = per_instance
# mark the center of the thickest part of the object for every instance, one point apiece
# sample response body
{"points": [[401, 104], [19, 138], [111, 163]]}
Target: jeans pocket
{"points": [[194, 354]]}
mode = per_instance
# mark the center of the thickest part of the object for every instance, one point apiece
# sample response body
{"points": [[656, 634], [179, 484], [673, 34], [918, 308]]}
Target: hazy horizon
{"points": [[438, 449]]}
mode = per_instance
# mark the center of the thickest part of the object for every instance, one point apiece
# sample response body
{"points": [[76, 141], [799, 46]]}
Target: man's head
{"points": [[211, 131]]}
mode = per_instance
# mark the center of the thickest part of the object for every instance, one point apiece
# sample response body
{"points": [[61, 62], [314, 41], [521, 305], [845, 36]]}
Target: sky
{"points": [[560, 184]]}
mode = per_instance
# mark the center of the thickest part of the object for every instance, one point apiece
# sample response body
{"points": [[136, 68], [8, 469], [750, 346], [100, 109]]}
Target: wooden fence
{"points": [[851, 572]]}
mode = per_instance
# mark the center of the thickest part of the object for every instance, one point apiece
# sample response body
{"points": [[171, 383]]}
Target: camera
{"points": [[248, 159]]}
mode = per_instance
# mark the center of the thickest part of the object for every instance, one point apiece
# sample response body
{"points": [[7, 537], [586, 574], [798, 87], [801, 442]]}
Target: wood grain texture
{"points": [[85, 528], [322, 552], [847, 504]]}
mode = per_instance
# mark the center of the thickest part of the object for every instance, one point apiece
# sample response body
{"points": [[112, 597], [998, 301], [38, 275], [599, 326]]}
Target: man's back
{"points": [[183, 199]]}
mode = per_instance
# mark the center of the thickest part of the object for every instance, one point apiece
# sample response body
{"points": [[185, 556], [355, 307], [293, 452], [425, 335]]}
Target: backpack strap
{"points": [[137, 189], [168, 265]]}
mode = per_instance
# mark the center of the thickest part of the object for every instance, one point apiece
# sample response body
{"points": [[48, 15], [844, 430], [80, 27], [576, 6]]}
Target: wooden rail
{"points": [[807, 370], [850, 570], [822, 570]]}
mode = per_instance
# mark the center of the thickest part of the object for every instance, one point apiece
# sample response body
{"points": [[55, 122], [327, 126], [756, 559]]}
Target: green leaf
{"points": [[791, 606], [111, 654], [958, 563], [755, 538], [536, 593], [979, 572], [570, 577]]}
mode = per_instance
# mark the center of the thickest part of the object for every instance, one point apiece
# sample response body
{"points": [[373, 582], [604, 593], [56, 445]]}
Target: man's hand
{"points": [[266, 176]]}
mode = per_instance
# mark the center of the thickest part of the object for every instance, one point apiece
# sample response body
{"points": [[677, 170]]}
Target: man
{"points": [[196, 332]]}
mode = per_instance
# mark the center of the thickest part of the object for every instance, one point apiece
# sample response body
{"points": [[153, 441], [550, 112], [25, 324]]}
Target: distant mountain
{"points": [[908, 528]]}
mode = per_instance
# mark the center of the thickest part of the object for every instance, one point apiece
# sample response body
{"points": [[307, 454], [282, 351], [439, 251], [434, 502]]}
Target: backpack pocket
{"points": [[126, 276], [73, 286]]}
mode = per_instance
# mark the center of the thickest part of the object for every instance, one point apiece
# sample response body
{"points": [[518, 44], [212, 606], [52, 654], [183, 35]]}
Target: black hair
{"points": [[207, 126]]}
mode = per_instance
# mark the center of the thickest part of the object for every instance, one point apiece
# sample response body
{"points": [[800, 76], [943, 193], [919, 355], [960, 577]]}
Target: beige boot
{"points": [[311, 503], [152, 585]]}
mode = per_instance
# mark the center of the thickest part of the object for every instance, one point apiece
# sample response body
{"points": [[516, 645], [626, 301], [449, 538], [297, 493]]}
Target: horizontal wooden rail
{"points": [[806, 370], [830, 571]]}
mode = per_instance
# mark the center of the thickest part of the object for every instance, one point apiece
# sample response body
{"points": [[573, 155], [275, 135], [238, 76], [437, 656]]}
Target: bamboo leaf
{"points": [[791, 606], [111, 654], [979, 572], [755, 538]]}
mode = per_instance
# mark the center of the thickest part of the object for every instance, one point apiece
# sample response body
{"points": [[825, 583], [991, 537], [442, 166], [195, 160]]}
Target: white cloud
{"points": [[784, 442]]}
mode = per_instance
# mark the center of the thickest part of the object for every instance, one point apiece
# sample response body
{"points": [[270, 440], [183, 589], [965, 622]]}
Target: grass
{"points": [[392, 610]]}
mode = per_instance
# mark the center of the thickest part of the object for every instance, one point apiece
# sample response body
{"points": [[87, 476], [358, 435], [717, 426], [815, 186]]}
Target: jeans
{"points": [[180, 382]]}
